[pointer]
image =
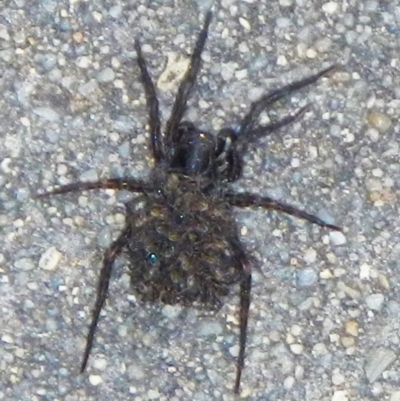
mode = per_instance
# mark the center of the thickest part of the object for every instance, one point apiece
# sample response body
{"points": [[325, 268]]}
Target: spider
{"points": [[180, 235]]}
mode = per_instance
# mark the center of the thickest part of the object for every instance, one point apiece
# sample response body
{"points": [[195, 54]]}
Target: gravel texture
{"points": [[325, 314]]}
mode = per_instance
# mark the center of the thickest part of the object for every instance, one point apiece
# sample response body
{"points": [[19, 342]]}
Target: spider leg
{"points": [[246, 199], [230, 147], [263, 130], [157, 144], [245, 290], [102, 289], [132, 185], [258, 106], [186, 85]]}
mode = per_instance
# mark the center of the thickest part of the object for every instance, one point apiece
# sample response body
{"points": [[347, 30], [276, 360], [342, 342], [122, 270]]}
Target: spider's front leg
{"points": [[249, 130], [233, 143], [157, 144], [186, 85]]}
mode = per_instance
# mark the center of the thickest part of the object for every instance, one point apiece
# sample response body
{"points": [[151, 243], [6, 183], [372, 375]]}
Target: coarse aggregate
{"points": [[325, 314]]}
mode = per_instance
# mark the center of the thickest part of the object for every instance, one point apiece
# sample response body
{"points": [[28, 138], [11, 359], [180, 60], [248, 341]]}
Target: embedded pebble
{"points": [[208, 328], [351, 327], [6, 338], [326, 274], [47, 61], [379, 121], [288, 383], [83, 62], [310, 255], [50, 259], [99, 363], [297, 349], [88, 88], [337, 238], [340, 395], [95, 380], [375, 301], [285, 3], [365, 270], [4, 33], [135, 372], [347, 341], [245, 23], [171, 311], [378, 362], [295, 330], [299, 372], [89, 175], [51, 324], [106, 75], [115, 11], [153, 394], [337, 378], [24, 264], [395, 396], [46, 113], [306, 277], [173, 72]]}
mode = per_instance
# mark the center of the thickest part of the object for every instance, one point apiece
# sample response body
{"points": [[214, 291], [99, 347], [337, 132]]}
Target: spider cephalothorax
{"points": [[180, 235]]}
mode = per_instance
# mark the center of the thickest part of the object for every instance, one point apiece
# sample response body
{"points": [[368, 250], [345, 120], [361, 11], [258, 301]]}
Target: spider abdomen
{"points": [[182, 244]]}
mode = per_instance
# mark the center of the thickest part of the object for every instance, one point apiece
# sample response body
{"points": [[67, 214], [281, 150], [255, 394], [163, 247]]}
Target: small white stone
{"points": [[311, 53], [281, 60], [395, 396], [50, 259], [295, 162], [310, 256], [241, 74], [6, 338], [295, 330], [173, 73], [83, 62], [364, 271], [288, 382], [285, 3], [340, 395], [337, 238], [337, 378], [375, 301], [153, 394], [95, 380], [297, 349], [245, 24], [100, 363], [330, 7], [326, 274]]}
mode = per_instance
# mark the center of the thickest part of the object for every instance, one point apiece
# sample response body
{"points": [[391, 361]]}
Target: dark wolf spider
{"points": [[182, 241]]}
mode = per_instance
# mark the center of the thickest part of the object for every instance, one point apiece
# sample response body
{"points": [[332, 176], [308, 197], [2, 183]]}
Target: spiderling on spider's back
{"points": [[180, 236]]}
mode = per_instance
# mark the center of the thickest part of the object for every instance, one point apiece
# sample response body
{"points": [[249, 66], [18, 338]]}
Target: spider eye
{"points": [[152, 258]]}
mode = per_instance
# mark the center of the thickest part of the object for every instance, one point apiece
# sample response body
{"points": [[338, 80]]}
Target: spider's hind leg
{"points": [[246, 199], [129, 184], [102, 289]]}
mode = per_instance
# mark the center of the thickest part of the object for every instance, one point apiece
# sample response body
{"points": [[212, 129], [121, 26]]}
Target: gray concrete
{"points": [[325, 311]]}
